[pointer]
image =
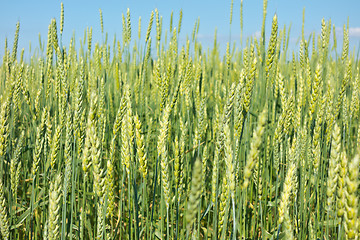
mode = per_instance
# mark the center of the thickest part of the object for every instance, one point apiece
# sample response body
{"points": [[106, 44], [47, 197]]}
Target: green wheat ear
{"points": [[351, 213], [62, 18], [140, 147], [15, 165], [271, 53], [4, 127], [16, 40], [4, 221], [195, 193], [101, 20], [163, 153], [255, 148], [54, 207], [128, 26], [149, 26], [289, 186], [333, 165], [180, 21]]}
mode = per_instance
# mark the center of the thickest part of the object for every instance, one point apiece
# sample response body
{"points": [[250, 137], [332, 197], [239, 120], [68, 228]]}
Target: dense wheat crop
{"points": [[145, 138]]}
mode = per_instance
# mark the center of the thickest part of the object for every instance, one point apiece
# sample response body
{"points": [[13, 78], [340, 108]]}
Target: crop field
{"points": [[147, 138]]}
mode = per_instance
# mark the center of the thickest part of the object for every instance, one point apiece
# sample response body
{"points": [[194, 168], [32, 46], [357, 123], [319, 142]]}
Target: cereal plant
{"points": [[148, 138]]}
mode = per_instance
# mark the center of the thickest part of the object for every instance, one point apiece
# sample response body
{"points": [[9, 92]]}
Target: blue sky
{"points": [[35, 16]]}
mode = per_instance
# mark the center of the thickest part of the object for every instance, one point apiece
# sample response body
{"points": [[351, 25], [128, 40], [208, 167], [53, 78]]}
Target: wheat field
{"points": [[145, 138]]}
